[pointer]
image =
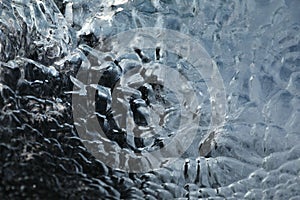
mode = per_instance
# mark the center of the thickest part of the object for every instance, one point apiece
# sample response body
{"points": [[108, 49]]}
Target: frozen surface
{"points": [[256, 47]]}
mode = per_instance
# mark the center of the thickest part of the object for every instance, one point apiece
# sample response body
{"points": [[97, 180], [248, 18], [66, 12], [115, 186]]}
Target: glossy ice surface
{"points": [[143, 96]]}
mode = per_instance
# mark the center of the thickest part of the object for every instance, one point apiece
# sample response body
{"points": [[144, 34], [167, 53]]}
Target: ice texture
{"points": [[255, 45]]}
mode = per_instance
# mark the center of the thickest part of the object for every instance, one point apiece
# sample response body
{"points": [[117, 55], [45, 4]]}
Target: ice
{"points": [[53, 51]]}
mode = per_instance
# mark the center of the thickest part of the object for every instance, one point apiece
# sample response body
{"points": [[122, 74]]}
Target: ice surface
{"points": [[255, 154]]}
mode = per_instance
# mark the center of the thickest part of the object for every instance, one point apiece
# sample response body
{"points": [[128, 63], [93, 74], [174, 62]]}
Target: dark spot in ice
{"points": [[89, 39], [142, 57]]}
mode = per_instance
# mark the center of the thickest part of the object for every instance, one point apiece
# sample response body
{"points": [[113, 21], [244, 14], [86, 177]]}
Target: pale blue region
{"points": [[256, 47]]}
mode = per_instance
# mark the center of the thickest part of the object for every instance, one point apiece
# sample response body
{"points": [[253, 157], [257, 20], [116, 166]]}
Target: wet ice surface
{"points": [[254, 155]]}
